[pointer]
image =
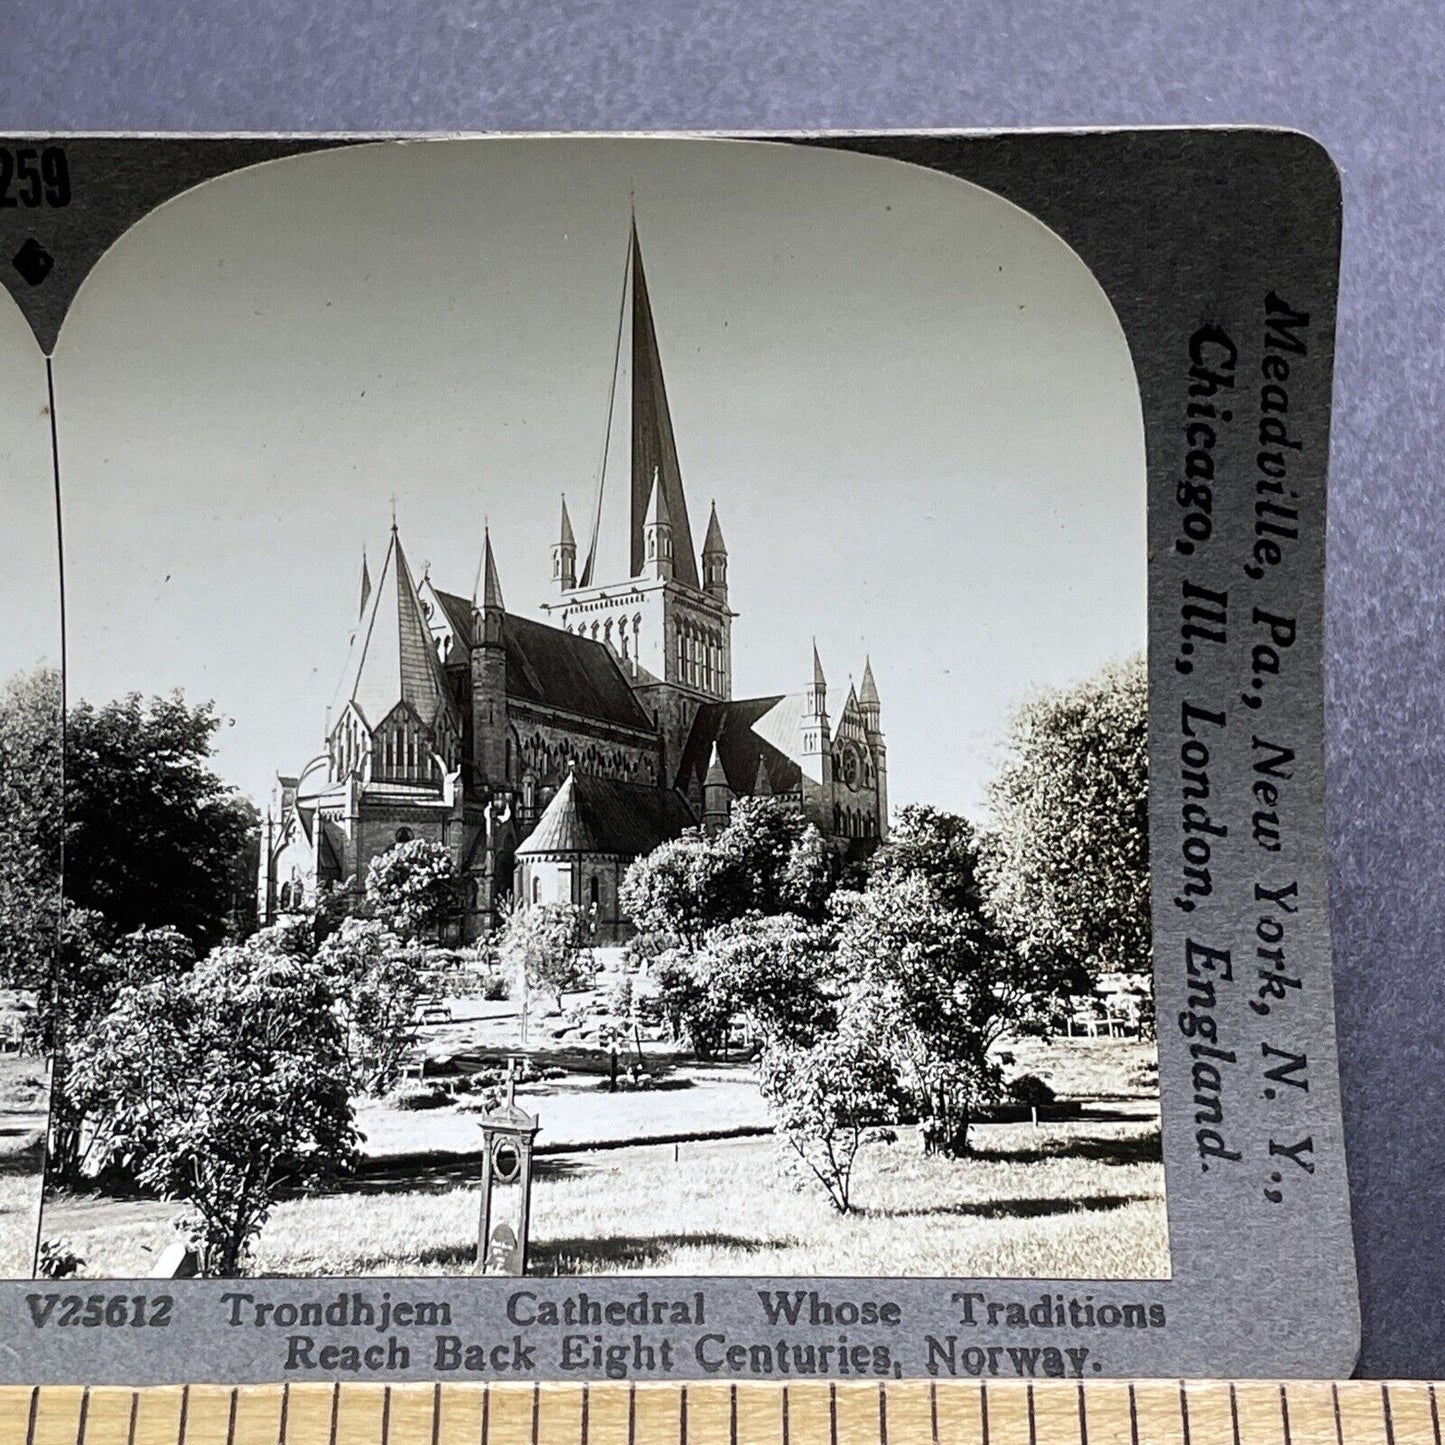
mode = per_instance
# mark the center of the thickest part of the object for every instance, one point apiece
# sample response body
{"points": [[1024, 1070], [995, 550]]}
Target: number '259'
{"points": [[30, 176]]}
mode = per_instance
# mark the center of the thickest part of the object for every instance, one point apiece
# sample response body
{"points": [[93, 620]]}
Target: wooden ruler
{"points": [[1143, 1412]]}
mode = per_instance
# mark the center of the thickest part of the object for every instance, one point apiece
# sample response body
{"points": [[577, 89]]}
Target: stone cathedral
{"points": [[546, 755]]}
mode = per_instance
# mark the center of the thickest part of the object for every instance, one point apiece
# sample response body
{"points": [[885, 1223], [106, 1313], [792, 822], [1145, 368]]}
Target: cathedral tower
{"points": [[638, 586]]}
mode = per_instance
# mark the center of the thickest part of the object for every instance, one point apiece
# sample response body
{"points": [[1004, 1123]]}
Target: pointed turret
{"points": [[715, 559], [493, 607], [640, 453], [716, 795], [868, 700], [762, 783], [365, 585], [871, 707], [564, 554], [815, 736], [657, 535], [489, 675], [817, 698]]}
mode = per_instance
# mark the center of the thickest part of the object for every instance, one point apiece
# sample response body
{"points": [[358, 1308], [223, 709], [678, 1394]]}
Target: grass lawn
{"points": [[1081, 1200], [24, 1102], [1084, 1068]]}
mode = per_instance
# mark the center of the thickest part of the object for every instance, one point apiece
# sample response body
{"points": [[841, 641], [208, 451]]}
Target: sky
{"points": [[910, 400]]}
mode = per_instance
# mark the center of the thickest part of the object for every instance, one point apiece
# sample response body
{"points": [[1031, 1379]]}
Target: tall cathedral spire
{"points": [[639, 447]]}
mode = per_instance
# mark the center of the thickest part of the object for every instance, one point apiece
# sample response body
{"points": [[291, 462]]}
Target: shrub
{"points": [[414, 1097], [57, 1260], [1031, 1090], [824, 1098], [222, 1088]]}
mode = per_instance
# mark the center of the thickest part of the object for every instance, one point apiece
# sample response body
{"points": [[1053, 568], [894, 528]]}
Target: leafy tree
{"points": [[412, 888], [774, 859], [940, 989], [152, 836], [941, 847], [824, 1096], [774, 971], [30, 828], [542, 944], [1069, 863], [379, 980], [768, 859], [669, 891], [694, 1012], [223, 1087]]}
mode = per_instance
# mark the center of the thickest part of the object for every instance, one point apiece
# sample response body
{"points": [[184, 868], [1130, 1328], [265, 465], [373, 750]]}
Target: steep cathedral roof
{"points": [[639, 446], [745, 736], [393, 658], [555, 668], [560, 669], [599, 815]]}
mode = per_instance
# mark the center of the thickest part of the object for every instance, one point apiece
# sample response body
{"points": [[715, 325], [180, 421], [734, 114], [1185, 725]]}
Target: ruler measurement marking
{"points": [[783, 1412]]}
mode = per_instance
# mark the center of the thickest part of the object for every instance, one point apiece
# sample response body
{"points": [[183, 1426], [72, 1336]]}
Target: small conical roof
{"points": [[762, 784], [818, 679], [365, 585], [560, 829], [869, 693], [716, 776], [491, 584], [657, 514], [713, 542], [567, 539]]}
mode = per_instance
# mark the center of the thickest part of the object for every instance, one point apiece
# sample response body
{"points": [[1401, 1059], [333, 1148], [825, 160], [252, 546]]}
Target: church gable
{"points": [[747, 734]]}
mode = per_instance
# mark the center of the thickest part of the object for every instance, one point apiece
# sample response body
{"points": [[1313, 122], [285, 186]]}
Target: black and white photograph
{"points": [[606, 731], [30, 752]]}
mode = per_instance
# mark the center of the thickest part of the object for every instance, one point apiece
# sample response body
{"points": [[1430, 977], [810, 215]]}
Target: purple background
{"points": [[1367, 79]]}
